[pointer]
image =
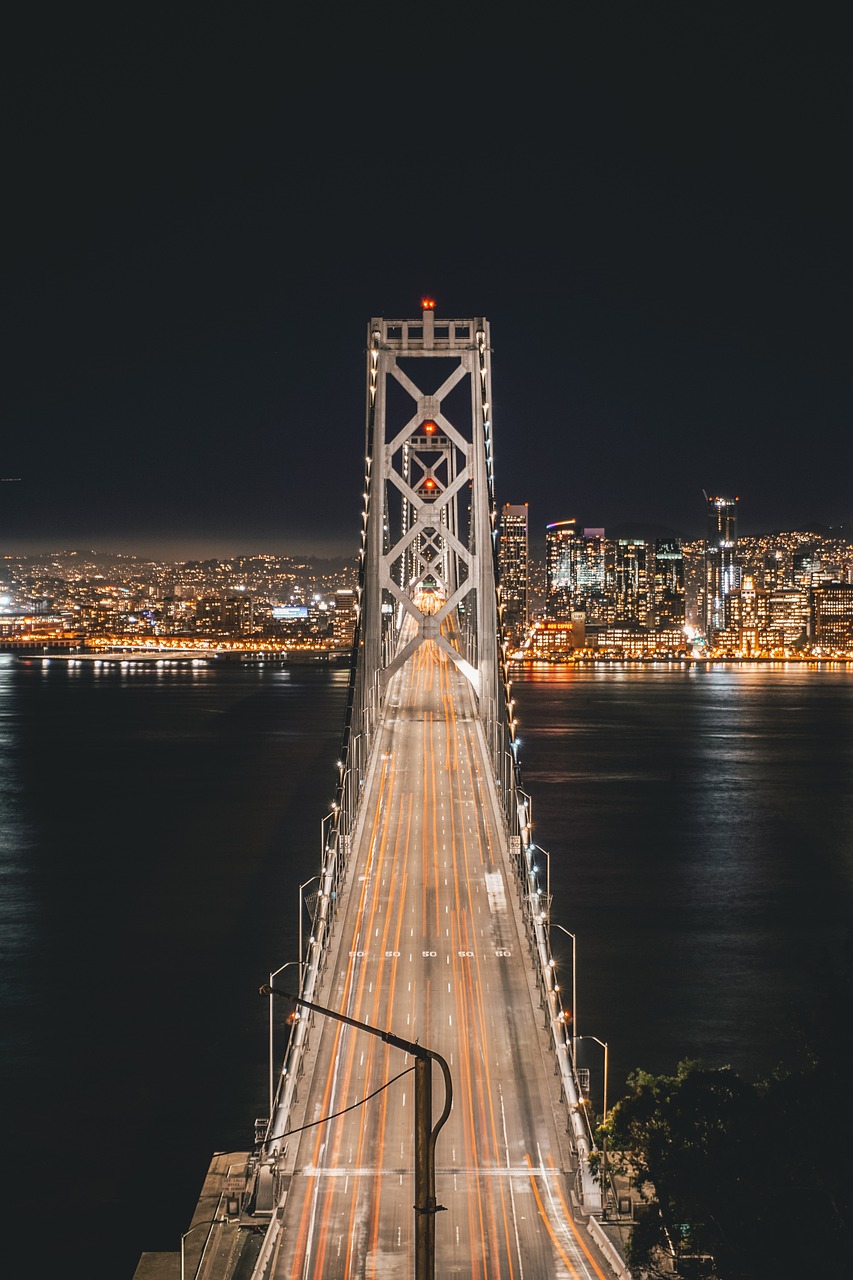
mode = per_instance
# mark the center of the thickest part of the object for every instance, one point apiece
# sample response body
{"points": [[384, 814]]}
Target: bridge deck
{"points": [[428, 945]]}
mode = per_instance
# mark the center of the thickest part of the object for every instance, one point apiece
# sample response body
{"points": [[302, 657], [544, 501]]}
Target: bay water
{"points": [[156, 823]]}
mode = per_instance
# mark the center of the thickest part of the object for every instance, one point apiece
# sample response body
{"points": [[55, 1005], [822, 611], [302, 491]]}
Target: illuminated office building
{"points": [[806, 568], [774, 571], [589, 576], [669, 583], [578, 572], [748, 613], [631, 581], [344, 617], [513, 561], [789, 615], [721, 572], [832, 615], [559, 549]]}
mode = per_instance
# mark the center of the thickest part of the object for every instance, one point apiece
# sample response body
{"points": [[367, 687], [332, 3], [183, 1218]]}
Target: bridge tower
{"points": [[429, 523]]}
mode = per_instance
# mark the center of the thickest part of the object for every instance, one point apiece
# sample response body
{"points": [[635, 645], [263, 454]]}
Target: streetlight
{"points": [[425, 1132], [272, 975], [603, 1123], [301, 909], [574, 990], [208, 1222], [547, 882]]}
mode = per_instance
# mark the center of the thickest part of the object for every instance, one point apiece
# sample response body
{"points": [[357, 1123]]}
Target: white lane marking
{"points": [[313, 1220], [511, 1191]]}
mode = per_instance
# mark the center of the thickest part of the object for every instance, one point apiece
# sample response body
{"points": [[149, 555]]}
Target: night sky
{"points": [[204, 207]]}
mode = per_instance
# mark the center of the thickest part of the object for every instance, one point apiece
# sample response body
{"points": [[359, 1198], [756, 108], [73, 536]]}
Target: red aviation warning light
{"points": [[429, 483], [429, 427], [428, 304]]}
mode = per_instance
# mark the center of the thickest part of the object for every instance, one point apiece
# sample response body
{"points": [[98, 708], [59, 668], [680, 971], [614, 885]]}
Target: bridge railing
{"points": [[534, 898]]}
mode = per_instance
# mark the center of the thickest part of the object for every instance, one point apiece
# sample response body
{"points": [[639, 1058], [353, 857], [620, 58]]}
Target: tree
{"points": [[753, 1175]]}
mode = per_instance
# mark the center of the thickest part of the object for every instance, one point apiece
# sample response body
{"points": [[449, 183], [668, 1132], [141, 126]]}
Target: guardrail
{"points": [[522, 850]]}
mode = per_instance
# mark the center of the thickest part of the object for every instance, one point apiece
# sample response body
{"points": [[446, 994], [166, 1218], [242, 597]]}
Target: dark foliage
{"points": [[756, 1175]]}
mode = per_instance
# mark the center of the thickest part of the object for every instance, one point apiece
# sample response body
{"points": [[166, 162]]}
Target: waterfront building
{"points": [[721, 571], [553, 640], [788, 616], [514, 565], [628, 640], [832, 616]]}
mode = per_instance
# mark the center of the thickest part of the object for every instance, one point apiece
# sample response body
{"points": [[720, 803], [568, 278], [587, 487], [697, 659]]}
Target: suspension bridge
{"points": [[430, 920]]}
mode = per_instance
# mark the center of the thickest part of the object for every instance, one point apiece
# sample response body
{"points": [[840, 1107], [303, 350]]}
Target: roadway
{"points": [[428, 947]]}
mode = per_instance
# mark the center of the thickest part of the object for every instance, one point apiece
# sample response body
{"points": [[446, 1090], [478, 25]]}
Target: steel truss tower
{"points": [[429, 540]]}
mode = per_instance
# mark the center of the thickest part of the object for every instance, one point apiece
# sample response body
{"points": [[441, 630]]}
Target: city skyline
{"points": [[588, 596], [657, 232]]}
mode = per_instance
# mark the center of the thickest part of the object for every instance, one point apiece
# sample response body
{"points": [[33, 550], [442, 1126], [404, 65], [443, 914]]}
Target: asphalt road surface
{"points": [[428, 947]]}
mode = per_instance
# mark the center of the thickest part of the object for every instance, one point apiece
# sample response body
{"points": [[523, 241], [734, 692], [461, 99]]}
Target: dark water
{"points": [[700, 830], [155, 825]]}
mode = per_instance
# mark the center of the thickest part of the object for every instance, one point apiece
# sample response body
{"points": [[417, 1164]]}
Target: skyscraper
{"points": [[721, 571], [631, 581], [669, 583], [559, 552], [589, 575], [513, 561]]}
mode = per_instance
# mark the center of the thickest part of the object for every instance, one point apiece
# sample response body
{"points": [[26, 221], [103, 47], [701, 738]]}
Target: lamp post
{"points": [[301, 909], [425, 1132], [574, 990], [272, 975], [547, 886], [526, 804], [208, 1222], [603, 1123]]}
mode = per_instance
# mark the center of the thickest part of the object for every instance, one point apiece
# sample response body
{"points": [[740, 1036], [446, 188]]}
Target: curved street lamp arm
{"points": [[408, 1046], [448, 1103]]}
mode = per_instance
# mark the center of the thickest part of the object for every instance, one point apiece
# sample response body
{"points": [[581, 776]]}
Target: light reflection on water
{"points": [[699, 823]]}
